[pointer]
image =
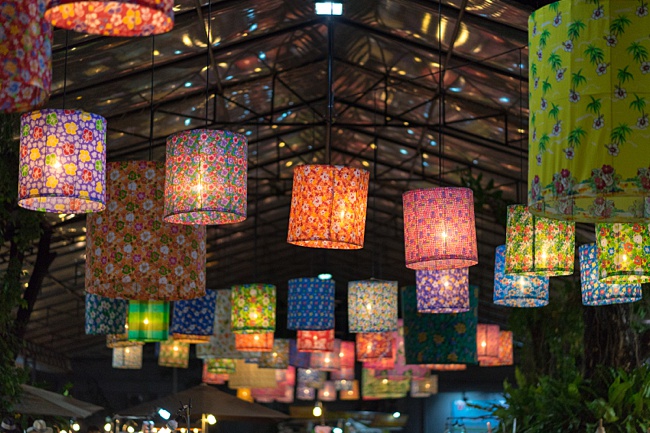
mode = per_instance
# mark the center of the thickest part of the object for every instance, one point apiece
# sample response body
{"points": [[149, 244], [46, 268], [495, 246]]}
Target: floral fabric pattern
{"points": [[26, 63], [537, 245], [298, 358], [62, 161], [347, 354], [206, 177], [253, 308], [305, 393], [105, 315], [148, 321], [351, 394], [130, 252], [311, 378], [443, 291], [506, 356], [623, 251], [373, 388], [212, 378], [277, 358], [220, 365], [174, 354], [328, 207], [588, 120], [372, 306], [487, 342], [125, 18], [193, 320], [128, 358], [327, 393], [311, 304], [315, 341], [374, 345], [254, 342], [327, 361], [517, 291]]}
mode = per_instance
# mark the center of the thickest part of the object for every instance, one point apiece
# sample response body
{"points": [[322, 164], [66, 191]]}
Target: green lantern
{"points": [[148, 321]]}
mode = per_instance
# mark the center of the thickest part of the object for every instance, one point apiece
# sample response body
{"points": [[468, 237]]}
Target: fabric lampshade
{"points": [[347, 354], [350, 394], [506, 355], [343, 374], [439, 228], [537, 245], [327, 392], [382, 388], [315, 341], [148, 321], [220, 365], [253, 308], [130, 252], [288, 397], [206, 177], [374, 345], [249, 375], [193, 320], [596, 292], [212, 378], [372, 306], [105, 315], [254, 342], [311, 304], [174, 354], [423, 388], [328, 207], [245, 394], [62, 161], [305, 393], [112, 17], [487, 342], [298, 358], [128, 358], [278, 357], [311, 378], [122, 339], [443, 291], [447, 367], [623, 251], [587, 112], [327, 361], [26, 63], [517, 290]]}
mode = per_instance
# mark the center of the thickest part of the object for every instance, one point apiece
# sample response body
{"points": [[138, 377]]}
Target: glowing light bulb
{"points": [[175, 348], [369, 306], [327, 360], [130, 429], [145, 321], [127, 350], [384, 381], [275, 354], [256, 338], [483, 344]]}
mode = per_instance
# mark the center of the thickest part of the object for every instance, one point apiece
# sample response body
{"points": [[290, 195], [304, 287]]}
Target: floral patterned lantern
{"points": [[622, 252], [62, 161], [249, 375], [193, 320], [278, 357], [327, 361], [311, 378], [129, 358], [254, 342], [372, 306], [253, 308], [347, 355], [506, 355], [350, 394], [439, 228], [443, 291], [305, 393], [112, 17], [315, 341], [220, 365], [212, 378], [423, 388], [537, 245], [245, 394], [311, 304], [588, 121], [105, 316], [343, 378], [130, 252], [148, 321], [328, 207], [447, 367], [374, 345], [174, 354], [206, 177], [517, 291], [596, 292], [327, 392], [26, 63], [487, 342], [298, 358]]}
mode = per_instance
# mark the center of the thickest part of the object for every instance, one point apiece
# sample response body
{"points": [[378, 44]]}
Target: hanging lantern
{"points": [[288, 397], [148, 321], [351, 394], [122, 339], [537, 245], [130, 252], [327, 392], [594, 291], [26, 62], [623, 253], [212, 378], [347, 355], [506, 355], [278, 357], [343, 379], [105, 316], [374, 345], [327, 361], [315, 341], [62, 160], [174, 354], [311, 304], [129, 358], [253, 308], [254, 342], [487, 342], [220, 365], [206, 177], [443, 291], [245, 394], [193, 320], [439, 228], [384, 362], [423, 388], [447, 367], [305, 393], [588, 121], [249, 375], [311, 378], [125, 18], [517, 291], [382, 388], [372, 306], [298, 358], [328, 207]]}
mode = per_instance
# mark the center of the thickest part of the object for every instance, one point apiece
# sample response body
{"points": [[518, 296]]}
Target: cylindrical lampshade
{"points": [[262, 342], [129, 358], [148, 321], [328, 207], [62, 161], [174, 354], [327, 361], [347, 354], [517, 291], [212, 378], [596, 292], [439, 228], [253, 308], [248, 375], [305, 393], [206, 177], [623, 251], [443, 291], [537, 245], [130, 252], [327, 392], [278, 357], [423, 388], [311, 304], [506, 354], [342, 374], [315, 341], [245, 394], [351, 394], [447, 367], [374, 345], [311, 377], [487, 342], [220, 365], [589, 89], [193, 320], [372, 306], [26, 62], [112, 17], [122, 339], [105, 316], [298, 358]]}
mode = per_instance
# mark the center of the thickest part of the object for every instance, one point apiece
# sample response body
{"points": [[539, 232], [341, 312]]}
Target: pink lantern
{"points": [[315, 341], [327, 392], [487, 342], [327, 361], [374, 345], [347, 354]]}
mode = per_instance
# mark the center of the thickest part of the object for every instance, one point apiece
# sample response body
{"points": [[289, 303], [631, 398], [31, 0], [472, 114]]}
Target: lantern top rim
{"points": [[211, 132]]}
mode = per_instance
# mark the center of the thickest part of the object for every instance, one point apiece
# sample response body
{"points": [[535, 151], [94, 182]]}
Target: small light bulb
{"points": [[145, 321], [384, 381], [108, 426], [256, 337]]}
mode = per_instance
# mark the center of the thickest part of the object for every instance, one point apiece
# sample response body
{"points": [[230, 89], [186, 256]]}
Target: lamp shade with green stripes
{"points": [[148, 321]]}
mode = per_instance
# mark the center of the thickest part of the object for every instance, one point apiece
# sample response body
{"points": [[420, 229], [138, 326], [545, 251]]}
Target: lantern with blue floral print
{"points": [[193, 320], [311, 304], [105, 316]]}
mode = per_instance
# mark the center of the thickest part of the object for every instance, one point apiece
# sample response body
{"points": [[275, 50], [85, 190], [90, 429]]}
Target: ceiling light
{"points": [[396, 414], [329, 8]]}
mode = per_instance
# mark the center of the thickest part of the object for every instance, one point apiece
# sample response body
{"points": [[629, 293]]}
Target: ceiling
{"points": [[268, 79]]}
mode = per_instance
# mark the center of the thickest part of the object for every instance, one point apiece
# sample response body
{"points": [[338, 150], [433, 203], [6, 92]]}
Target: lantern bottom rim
{"points": [[326, 244], [191, 339], [16, 103], [444, 310], [521, 302], [611, 301], [61, 204], [624, 278], [204, 217], [549, 272], [442, 263]]}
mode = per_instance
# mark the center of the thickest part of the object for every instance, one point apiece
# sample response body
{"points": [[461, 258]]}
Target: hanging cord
{"points": [[257, 201], [441, 101], [151, 96], [65, 68], [330, 91], [207, 62], [520, 190]]}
